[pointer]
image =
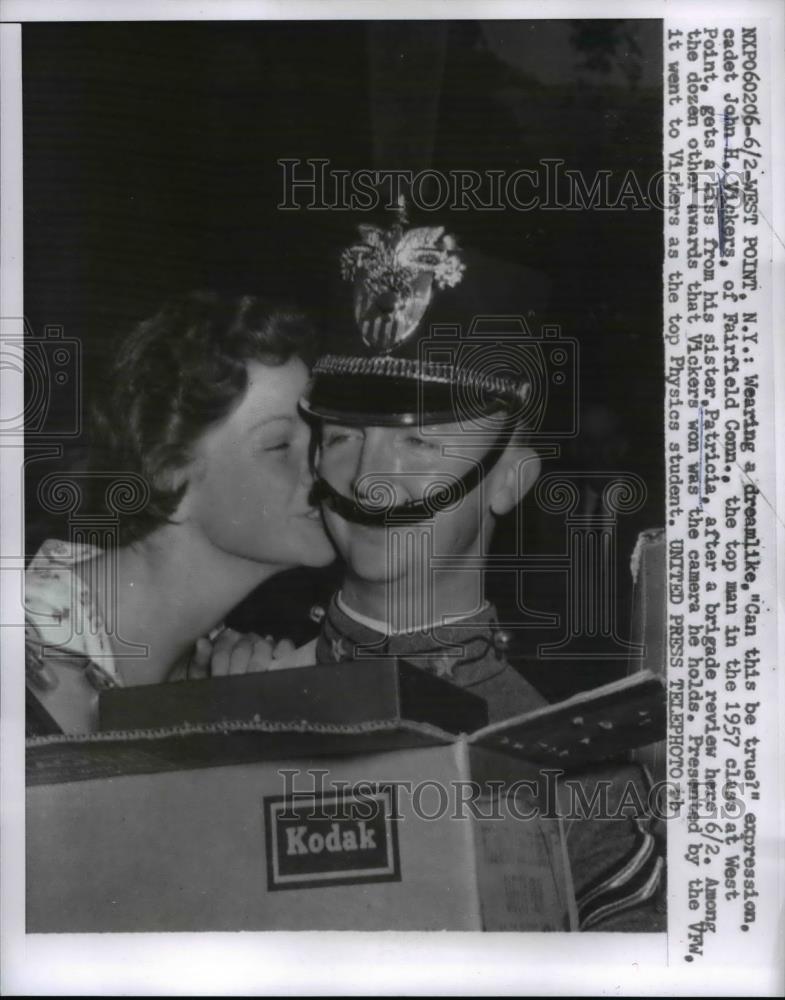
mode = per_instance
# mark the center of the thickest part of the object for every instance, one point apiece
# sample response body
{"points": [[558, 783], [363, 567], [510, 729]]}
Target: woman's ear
{"points": [[519, 470]]}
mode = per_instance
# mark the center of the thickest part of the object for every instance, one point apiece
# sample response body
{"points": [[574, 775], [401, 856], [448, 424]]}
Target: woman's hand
{"points": [[236, 653]]}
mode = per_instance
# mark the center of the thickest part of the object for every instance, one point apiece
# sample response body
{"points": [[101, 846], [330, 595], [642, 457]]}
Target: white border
{"points": [[12, 792], [20, 11]]}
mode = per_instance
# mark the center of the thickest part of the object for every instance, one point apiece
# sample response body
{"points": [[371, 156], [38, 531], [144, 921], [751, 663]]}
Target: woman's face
{"points": [[249, 480]]}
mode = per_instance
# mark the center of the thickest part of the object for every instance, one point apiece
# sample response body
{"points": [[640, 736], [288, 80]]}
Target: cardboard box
{"points": [[227, 849], [194, 828]]}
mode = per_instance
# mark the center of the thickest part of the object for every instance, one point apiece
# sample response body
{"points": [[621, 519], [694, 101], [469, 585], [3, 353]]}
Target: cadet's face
{"points": [[368, 463], [250, 481]]}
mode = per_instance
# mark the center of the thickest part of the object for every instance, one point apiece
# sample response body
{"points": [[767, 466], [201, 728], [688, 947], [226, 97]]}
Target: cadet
{"points": [[423, 411]]}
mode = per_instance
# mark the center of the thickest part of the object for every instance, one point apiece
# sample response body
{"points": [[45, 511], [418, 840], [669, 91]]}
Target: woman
{"points": [[200, 408]]}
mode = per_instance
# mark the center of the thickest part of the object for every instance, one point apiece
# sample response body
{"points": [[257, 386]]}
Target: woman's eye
{"points": [[281, 446]]}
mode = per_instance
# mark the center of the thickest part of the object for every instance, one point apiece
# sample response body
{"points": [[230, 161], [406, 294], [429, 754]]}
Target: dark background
{"points": [[150, 168]]}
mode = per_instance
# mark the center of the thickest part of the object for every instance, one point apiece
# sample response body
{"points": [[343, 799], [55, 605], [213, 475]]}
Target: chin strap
{"points": [[440, 498]]}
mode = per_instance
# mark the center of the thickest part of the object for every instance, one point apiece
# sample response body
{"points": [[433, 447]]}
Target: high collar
{"points": [[466, 652], [377, 625]]}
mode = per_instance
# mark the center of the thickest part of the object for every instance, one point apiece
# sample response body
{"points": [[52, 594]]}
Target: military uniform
{"points": [[469, 653], [388, 367]]}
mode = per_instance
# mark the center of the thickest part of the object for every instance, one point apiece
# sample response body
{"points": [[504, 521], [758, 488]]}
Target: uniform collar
{"points": [[377, 625], [465, 651]]}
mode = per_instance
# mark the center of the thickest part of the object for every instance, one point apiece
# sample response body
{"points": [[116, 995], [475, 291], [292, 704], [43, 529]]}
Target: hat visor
{"points": [[385, 401]]}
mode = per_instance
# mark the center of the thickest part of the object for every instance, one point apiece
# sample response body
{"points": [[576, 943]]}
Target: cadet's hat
{"points": [[407, 348]]}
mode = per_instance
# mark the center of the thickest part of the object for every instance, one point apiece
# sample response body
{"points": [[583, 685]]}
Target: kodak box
{"points": [[378, 824], [371, 841]]}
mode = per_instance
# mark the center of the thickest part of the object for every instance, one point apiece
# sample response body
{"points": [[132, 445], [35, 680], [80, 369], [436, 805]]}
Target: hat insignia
{"points": [[394, 271]]}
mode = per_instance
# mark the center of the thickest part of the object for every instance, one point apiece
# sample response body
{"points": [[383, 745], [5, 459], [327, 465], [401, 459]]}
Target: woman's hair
{"points": [[174, 376]]}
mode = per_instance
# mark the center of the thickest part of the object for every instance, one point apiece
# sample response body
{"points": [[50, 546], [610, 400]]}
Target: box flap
{"points": [[591, 726], [343, 694], [80, 757]]}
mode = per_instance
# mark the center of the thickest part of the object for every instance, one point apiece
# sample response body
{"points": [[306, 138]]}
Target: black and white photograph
{"points": [[379, 445]]}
